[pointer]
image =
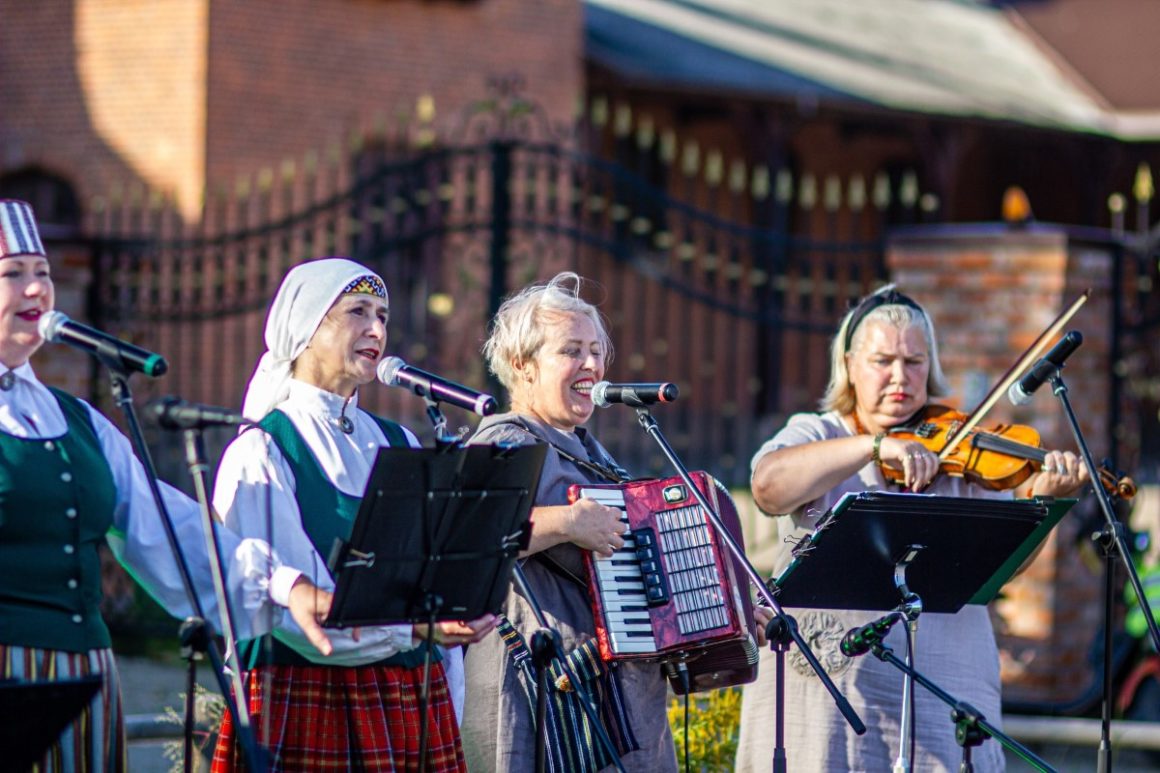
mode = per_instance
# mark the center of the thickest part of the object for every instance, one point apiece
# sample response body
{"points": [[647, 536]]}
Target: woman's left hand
{"points": [[451, 633], [1062, 474]]}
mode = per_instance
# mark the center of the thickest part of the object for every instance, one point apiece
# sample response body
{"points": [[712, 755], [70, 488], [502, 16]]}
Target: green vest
{"points": [[57, 498], [327, 515]]}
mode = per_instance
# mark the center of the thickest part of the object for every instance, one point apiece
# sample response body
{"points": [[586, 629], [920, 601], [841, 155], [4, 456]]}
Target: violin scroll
{"points": [[1115, 482]]}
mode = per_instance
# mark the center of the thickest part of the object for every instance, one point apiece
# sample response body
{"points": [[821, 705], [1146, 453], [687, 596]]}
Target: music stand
{"points": [[436, 535], [34, 714], [954, 550], [435, 538], [971, 548]]}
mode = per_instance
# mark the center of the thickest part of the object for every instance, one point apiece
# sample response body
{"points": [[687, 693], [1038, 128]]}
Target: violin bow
{"points": [[1013, 374]]}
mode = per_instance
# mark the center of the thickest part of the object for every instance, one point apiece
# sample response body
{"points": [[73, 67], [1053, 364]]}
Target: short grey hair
{"points": [[840, 392], [518, 330]]}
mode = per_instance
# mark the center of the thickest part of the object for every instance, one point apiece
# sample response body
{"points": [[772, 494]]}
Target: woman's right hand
{"points": [[596, 527]]}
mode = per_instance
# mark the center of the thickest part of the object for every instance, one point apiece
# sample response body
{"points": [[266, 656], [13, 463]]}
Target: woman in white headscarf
{"points": [[353, 700]]}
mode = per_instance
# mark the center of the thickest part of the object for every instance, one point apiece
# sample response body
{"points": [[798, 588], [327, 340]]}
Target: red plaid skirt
{"points": [[320, 718]]}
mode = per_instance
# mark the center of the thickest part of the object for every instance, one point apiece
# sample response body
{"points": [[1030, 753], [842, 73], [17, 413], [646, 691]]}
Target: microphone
{"points": [[858, 641], [1021, 391], [605, 394], [57, 327], [394, 372], [174, 413]]}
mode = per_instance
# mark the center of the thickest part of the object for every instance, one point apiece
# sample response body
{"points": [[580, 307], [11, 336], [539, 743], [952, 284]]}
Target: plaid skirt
{"points": [[319, 718], [95, 741]]}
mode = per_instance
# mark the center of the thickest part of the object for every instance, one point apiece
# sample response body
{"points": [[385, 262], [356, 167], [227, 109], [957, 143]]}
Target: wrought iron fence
{"points": [[724, 277]]}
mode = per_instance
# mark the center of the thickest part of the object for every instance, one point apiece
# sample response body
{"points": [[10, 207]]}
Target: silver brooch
{"points": [[343, 422], [7, 381]]}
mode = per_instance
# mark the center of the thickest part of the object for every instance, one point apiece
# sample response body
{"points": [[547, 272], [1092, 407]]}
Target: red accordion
{"points": [[672, 593]]}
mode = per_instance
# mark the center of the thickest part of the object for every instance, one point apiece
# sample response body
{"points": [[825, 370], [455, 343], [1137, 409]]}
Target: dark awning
{"points": [[944, 57]]}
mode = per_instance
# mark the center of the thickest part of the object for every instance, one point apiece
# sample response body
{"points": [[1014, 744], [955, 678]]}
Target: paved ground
{"points": [[149, 686], [1080, 759]]}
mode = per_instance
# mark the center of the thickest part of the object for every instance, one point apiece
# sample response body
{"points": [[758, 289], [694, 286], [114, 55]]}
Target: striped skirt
{"points": [[319, 718], [95, 741]]}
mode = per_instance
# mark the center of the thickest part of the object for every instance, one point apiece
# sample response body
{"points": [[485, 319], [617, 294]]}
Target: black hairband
{"points": [[890, 298]]}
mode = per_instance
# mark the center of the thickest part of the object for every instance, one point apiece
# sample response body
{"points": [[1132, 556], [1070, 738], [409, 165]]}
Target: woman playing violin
{"points": [[884, 369]]}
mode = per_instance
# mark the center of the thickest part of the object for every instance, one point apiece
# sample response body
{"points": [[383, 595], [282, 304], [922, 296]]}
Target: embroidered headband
{"points": [[18, 234], [368, 284], [889, 298]]}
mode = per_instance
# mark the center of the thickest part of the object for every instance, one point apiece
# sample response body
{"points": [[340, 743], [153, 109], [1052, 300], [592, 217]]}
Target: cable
{"points": [[910, 697]]}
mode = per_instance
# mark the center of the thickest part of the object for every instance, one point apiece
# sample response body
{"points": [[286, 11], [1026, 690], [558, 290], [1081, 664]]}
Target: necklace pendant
{"points": [[345, 424], [7, 381]]}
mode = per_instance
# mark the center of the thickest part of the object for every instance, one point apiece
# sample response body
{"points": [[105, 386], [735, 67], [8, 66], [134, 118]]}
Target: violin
{"points": [[999, 458]]}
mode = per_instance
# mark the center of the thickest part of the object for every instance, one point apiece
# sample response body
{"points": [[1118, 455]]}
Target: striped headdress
{"points": [[18, 235]]}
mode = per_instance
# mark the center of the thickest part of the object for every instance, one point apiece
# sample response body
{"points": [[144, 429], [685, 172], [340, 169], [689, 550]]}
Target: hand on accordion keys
{"points": [[596, 527]]}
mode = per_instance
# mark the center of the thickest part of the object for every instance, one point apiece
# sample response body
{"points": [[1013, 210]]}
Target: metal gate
{"points": [[725, 278]]}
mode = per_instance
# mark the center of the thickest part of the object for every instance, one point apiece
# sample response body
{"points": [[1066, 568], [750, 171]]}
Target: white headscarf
{"points": [[306, 294]]}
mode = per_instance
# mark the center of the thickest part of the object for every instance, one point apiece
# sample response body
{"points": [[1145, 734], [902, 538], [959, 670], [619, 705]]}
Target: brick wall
{"points": [[93, 99], [183, 96], [991, 291], [288, 76]]}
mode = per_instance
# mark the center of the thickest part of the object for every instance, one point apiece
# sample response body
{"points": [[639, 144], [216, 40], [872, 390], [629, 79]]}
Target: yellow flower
{"points": [[714, 719]]}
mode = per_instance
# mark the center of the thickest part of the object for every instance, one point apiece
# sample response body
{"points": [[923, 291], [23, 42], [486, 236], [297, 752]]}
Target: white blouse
{"points": [[254, 495]]}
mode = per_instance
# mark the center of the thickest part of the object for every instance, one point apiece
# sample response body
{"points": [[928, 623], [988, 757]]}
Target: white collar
{"points": [[321, 402], [24, 373]]}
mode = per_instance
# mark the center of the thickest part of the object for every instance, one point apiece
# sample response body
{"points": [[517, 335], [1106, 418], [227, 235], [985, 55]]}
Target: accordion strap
{"points": [[610, 472], [605, 471]]}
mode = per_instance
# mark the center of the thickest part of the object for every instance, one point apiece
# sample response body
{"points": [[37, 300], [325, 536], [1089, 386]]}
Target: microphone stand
{"points": [[193, 630], [909, 609], [783, 627], [433, 603], [971, 727], [1111, 541], [545, 644]]}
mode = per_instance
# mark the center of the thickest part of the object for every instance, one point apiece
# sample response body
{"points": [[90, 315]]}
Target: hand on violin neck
{"points": [[1062, 474], [908, 462]]}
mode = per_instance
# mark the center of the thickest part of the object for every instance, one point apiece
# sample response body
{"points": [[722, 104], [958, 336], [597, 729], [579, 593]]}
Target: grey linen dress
{"points": [[957, 652], [497, 725]]}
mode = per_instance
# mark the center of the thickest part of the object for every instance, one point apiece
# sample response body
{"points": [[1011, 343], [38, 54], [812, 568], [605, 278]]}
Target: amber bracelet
{"points": [[874, 457]]}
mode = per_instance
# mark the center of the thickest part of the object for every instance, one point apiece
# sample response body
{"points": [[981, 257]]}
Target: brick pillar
{"points": [[991, 291]]}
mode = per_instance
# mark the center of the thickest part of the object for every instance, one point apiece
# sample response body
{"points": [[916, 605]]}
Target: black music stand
{"points": [[954, 551], [436, 535], [971, 548], [34, 714], [435, 539]]}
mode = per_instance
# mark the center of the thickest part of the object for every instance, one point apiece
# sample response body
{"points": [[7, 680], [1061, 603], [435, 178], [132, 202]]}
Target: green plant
{"points": [[714, 720], [208, 709]]}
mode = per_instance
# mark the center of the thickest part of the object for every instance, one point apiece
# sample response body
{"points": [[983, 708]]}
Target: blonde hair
{"points": [[888, 307], [517, 332]]}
